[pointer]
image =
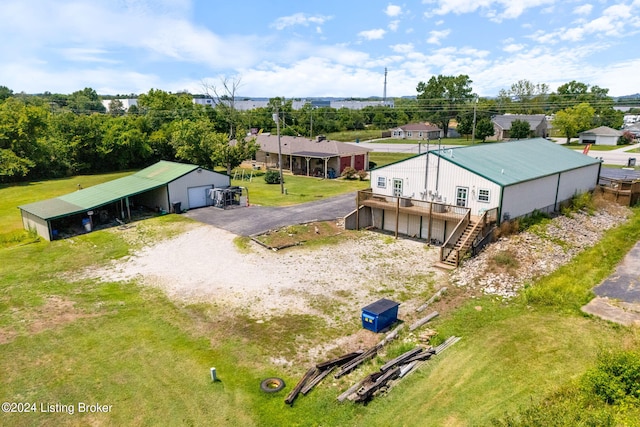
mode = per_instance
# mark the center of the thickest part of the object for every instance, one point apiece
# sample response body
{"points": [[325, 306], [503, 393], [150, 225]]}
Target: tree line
{"points": [[54, 135]]}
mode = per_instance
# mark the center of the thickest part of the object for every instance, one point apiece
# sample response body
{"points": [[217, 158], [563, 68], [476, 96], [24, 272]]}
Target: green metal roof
{"points": [[147, 179], [508, 163]]}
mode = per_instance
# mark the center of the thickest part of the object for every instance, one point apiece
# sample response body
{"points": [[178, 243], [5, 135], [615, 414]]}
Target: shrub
{"points": [[349, 173], [536, 217], [272, 177], [362, 175], [616, 378], [626, 138]]}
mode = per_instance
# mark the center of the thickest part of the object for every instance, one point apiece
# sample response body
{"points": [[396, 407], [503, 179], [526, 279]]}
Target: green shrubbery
{"points": [[616, 378], [607, 395], [272, 177]]}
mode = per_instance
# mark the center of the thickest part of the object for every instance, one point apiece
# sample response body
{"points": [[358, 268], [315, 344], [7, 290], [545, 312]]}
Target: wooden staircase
{"points": [[463, 245]]}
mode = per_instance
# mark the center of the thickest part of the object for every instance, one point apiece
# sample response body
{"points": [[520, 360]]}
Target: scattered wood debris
{"points": [[392, 371], [346, 364], [422, 321], [432, 299], [316, 374]]}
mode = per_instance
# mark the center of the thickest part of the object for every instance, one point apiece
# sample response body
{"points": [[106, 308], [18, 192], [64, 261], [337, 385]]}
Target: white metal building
{"points": [[514, 178], [159, 187]]}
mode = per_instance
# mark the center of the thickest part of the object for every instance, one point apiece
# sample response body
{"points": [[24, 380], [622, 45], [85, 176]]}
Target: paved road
{"points": [[618, 156], [254, 220], [624, 283]]}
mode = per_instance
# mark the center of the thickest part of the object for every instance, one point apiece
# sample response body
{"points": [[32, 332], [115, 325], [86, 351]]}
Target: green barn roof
{"points": [[508, 163], [147, 179]]}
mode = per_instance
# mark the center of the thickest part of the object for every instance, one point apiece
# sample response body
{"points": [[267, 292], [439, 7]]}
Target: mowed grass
{"points": [[299, 189], [67, 339]]}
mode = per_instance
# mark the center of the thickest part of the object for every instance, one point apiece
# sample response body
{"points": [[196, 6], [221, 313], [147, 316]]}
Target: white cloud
{"points": [[393, 10], [510, 9], [298, 19], [402, 48], [372, 34], [436, 36], [513, 47], [583, 9], [393, 25]]}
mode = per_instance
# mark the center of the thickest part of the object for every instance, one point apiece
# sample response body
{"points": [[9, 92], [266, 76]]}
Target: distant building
{"points": [[602, 135], [502, 125], [417, 131], [296, 104], [126, 103]]}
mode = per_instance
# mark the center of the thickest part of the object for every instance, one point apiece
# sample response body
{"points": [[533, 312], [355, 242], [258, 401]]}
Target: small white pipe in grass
{"points": [[213, 375]]}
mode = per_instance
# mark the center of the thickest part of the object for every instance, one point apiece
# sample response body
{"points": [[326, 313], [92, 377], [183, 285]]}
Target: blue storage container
{"points": [[379, 315]]}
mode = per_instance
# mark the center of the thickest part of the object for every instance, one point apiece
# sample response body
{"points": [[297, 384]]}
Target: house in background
{"points": [[502, 125], [451, 196], [161, 187], [417, 131], [311, 157], [602, 135]]}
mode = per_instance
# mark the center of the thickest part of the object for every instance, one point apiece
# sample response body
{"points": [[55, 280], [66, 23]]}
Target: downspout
{"points": [[555, 204], [426, 172], [438, 166], [500, 205]]}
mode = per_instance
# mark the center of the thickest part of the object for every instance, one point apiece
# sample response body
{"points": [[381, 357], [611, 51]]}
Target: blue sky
{"points": [[299, 48]]}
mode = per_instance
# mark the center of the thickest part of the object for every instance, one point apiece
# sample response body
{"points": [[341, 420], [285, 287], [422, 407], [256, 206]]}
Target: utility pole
{"points": [[473, 131], [276, 118]]}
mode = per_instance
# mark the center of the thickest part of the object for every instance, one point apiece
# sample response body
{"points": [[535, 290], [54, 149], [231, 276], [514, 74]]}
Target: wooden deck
{"points": [[442, 212]]}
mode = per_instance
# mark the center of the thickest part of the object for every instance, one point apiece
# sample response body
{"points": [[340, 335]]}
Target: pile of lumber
{"points": [[316, 374], [344, 364], [392, 371]]}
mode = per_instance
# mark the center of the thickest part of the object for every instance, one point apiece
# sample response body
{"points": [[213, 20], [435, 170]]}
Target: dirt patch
{"points": [[295, 235], [55, 312]]}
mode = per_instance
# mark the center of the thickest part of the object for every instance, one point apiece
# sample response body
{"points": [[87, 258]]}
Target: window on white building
{"points": [[484, 195], [382, 182]]}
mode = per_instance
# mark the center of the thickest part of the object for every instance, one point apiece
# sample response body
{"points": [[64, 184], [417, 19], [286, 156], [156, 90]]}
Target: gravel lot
{"points": [[204, 265]]}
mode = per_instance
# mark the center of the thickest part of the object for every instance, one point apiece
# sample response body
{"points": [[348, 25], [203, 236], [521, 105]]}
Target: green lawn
{"points": [[381, 158], [299, 189], [65, 339]]}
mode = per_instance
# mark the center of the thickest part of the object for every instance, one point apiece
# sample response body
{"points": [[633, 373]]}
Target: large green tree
{"points": [[525, 97], [573, 120], [484, 129], [85, 101], [442, 98], [520, 129], [22, 133]]}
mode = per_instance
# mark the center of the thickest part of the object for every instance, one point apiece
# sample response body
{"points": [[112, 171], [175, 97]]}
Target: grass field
{"points": [[298, 189], [66, 340]]}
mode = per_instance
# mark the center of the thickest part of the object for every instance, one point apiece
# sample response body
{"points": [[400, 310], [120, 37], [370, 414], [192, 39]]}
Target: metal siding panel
{"points": [[524, 198], [32, 222], [403, 224], [413, 226], [577, 181], [452, 176], [376, 218]]}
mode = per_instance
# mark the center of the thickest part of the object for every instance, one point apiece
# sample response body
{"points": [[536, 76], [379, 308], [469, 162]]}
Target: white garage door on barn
{"points": [[198, 196]]}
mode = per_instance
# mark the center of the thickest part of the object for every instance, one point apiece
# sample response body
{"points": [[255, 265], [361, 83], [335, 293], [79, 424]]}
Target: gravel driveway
{"points": [[254, 220]]}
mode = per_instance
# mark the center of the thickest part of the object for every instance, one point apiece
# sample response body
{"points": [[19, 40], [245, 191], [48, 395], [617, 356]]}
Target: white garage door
{"points": [[198, 196]]}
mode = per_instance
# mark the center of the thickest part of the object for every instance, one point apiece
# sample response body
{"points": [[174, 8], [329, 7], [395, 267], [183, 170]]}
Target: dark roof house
{"points": [[311, 157], [502, 125]]}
